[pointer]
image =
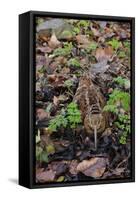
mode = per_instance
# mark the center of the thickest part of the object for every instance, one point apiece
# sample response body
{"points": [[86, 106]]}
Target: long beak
{"points": [[95, 137]]}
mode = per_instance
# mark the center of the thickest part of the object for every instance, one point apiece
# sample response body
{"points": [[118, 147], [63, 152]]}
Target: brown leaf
{"points": [[73, 167], [59, 167], [100, 54], [51, 77], [108, 52], [44, 49], [55, 100], [40, 60], [45, 176], [99, 67], [95, 32], [61, 60], [104, 53], [53, 43], [65, 70], [116, 173], [41, 114], [82, 39], [94, 167]]}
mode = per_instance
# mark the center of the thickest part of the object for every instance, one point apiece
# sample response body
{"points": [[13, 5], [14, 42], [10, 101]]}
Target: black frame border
{"points": [[31, 62]]}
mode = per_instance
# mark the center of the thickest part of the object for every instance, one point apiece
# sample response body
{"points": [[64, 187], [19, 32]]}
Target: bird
{"points": [[91, 102]]}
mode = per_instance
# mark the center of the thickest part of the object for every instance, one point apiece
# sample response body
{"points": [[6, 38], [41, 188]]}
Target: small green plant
{"points": [[39, 20], [119, 104], [118, 99], [74, 62], [126, 44], [68, 83], [123, 123], [73, 115], [91, 47], [114, 43], [83, 23], [122, 54], [127, 47], [57, 122], [76, 30], [123, 82], [64, 51]]}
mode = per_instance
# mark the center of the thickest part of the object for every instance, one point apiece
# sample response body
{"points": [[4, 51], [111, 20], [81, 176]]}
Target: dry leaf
{"points": [[51, 77], [61, 60], [104, 53], [108, 52], [44, 49], [65, 70], [55, 100], [41, 114], [82, 39], [94, 167], [54, 42], [73, 167], [99, 67], [95, 32], [45, 176]]}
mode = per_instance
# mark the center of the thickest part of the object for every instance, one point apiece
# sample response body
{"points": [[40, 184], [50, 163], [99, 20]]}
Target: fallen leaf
{"points": [[41, 114], [94, 167], [55, 100], [59, 167], [61, 60], [62, 98], [51, 77], [100, 54], [44, 49], [95, 32], [116, 173], [54, 42], [82, 39], [61, 179], [73, 167], [99, 67], [102, 24], [45, 176], [65, 70], [40, 60], [108, 52], [50, 149], [104, 53]]}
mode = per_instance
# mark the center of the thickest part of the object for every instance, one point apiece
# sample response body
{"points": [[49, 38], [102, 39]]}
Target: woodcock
{"points": [[91, 102]]}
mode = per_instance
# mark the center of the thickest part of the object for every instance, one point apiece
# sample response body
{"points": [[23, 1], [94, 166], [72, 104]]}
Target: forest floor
{"points": [[66, 49]]}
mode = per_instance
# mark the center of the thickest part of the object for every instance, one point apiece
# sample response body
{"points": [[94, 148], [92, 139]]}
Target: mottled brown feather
{"points": [[91, 102]]}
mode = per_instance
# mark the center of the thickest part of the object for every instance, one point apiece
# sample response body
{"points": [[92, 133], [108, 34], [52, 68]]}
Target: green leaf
{"points": [[91, 47], [63, 51], [50, 149], [76, 30], [68, 83], [44, 157], [121, 54], [60, 179], [74, 62], [114, 43], [122, 81]]}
